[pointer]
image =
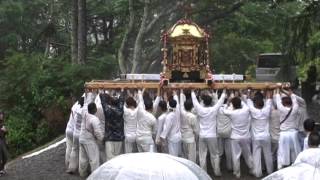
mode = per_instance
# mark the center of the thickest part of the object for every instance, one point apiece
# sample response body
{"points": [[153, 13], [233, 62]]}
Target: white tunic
{"points": [[160, 123], [275, 124], [72, 119], [90, 129], [78, 114], [310, 156], [260, 120], [223, 123], [207, 116], [291, 122], [100, 113], [240, 122], [130, 122], [189, 123], [171, 128], [146, 124]]}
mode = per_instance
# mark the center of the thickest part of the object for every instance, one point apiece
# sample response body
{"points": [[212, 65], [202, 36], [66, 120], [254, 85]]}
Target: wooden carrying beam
{"points": [[96, 85]]}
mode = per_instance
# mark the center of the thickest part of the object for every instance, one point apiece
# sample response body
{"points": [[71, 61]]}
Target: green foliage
{"points": [[32, 85], [35, 90], [21, 134], [256, 28]]}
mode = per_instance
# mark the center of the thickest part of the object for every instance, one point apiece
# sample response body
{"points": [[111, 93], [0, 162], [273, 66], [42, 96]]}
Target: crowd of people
{"points": [[190, 124]]}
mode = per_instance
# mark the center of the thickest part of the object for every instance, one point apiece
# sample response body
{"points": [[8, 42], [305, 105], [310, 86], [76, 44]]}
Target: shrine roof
{"points": [[186, 27]]}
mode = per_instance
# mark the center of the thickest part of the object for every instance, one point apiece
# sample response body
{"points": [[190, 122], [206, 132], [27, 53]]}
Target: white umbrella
{"points": [[152, 166], [301, 171]]}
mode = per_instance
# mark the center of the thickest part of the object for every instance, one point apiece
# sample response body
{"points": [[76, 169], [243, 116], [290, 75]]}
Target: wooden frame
{"points": [[96, 85]]}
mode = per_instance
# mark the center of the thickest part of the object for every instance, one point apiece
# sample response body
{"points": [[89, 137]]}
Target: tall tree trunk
{"points": [[140, 37], [74, 31], [121, 51], [47, 50], [82, 32]]}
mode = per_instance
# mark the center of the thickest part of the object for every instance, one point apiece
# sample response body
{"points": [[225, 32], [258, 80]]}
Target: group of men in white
{"points": [[189, 124]]}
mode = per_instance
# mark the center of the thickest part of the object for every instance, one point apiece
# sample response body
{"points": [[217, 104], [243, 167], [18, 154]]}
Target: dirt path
{"points": [[48, 165]]}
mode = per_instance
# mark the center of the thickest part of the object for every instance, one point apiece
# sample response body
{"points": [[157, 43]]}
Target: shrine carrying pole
{"points": [[104, 85]]}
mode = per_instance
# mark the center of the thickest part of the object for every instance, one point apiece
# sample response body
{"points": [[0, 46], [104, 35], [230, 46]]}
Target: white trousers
{"points": [[74, 157], [212, 145], [88, 154], [113, 149], [225, 148], [263, 145], [146, 145], [174, 148], [288, 149], [69, 143], [130, 146], [241, 147], [189, 151]]}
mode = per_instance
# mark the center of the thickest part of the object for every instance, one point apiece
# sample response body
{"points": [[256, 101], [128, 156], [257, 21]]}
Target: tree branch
{"points": [[121, 54], [235, 7], [163, 13]]}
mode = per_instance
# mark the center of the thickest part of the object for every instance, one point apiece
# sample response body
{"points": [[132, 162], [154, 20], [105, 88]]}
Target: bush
{"points": [[36, 94]]}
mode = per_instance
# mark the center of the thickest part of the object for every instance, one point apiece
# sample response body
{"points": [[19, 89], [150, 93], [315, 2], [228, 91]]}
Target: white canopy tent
{"points": [[152, 166]]}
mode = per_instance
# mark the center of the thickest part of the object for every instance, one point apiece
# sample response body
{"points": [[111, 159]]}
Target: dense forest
{"points": [[49, 48]]}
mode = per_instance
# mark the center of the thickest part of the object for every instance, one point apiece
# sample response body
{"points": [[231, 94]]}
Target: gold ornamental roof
{"points": [[186, 27]]}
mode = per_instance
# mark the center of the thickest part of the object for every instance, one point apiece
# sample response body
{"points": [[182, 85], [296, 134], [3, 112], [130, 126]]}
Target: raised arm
{"points": [[182, 100], [175, 97], [221, 100], [251, 107], [121, 100], [140, 98], [295, 105], [156, 103], [301, 101], [195, 101], [279, 103]]}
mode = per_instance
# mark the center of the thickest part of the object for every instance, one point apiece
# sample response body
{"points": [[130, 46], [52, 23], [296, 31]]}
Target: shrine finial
{"points": [[187, 8]]}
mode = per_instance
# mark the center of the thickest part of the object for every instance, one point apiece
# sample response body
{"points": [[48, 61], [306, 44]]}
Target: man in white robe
{"points": [[312, 155], [161, 146], [260, 113], [289, 146], [69, 133], [130, 117], [74, 154], [189, 128], [146, 125], [309, 126], [101, 117], [91, 132], [171, 127], [240, 134], [207, 116]]}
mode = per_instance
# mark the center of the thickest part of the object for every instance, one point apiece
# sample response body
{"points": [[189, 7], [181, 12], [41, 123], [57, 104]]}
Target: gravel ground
{"points": [[49, 165]]}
